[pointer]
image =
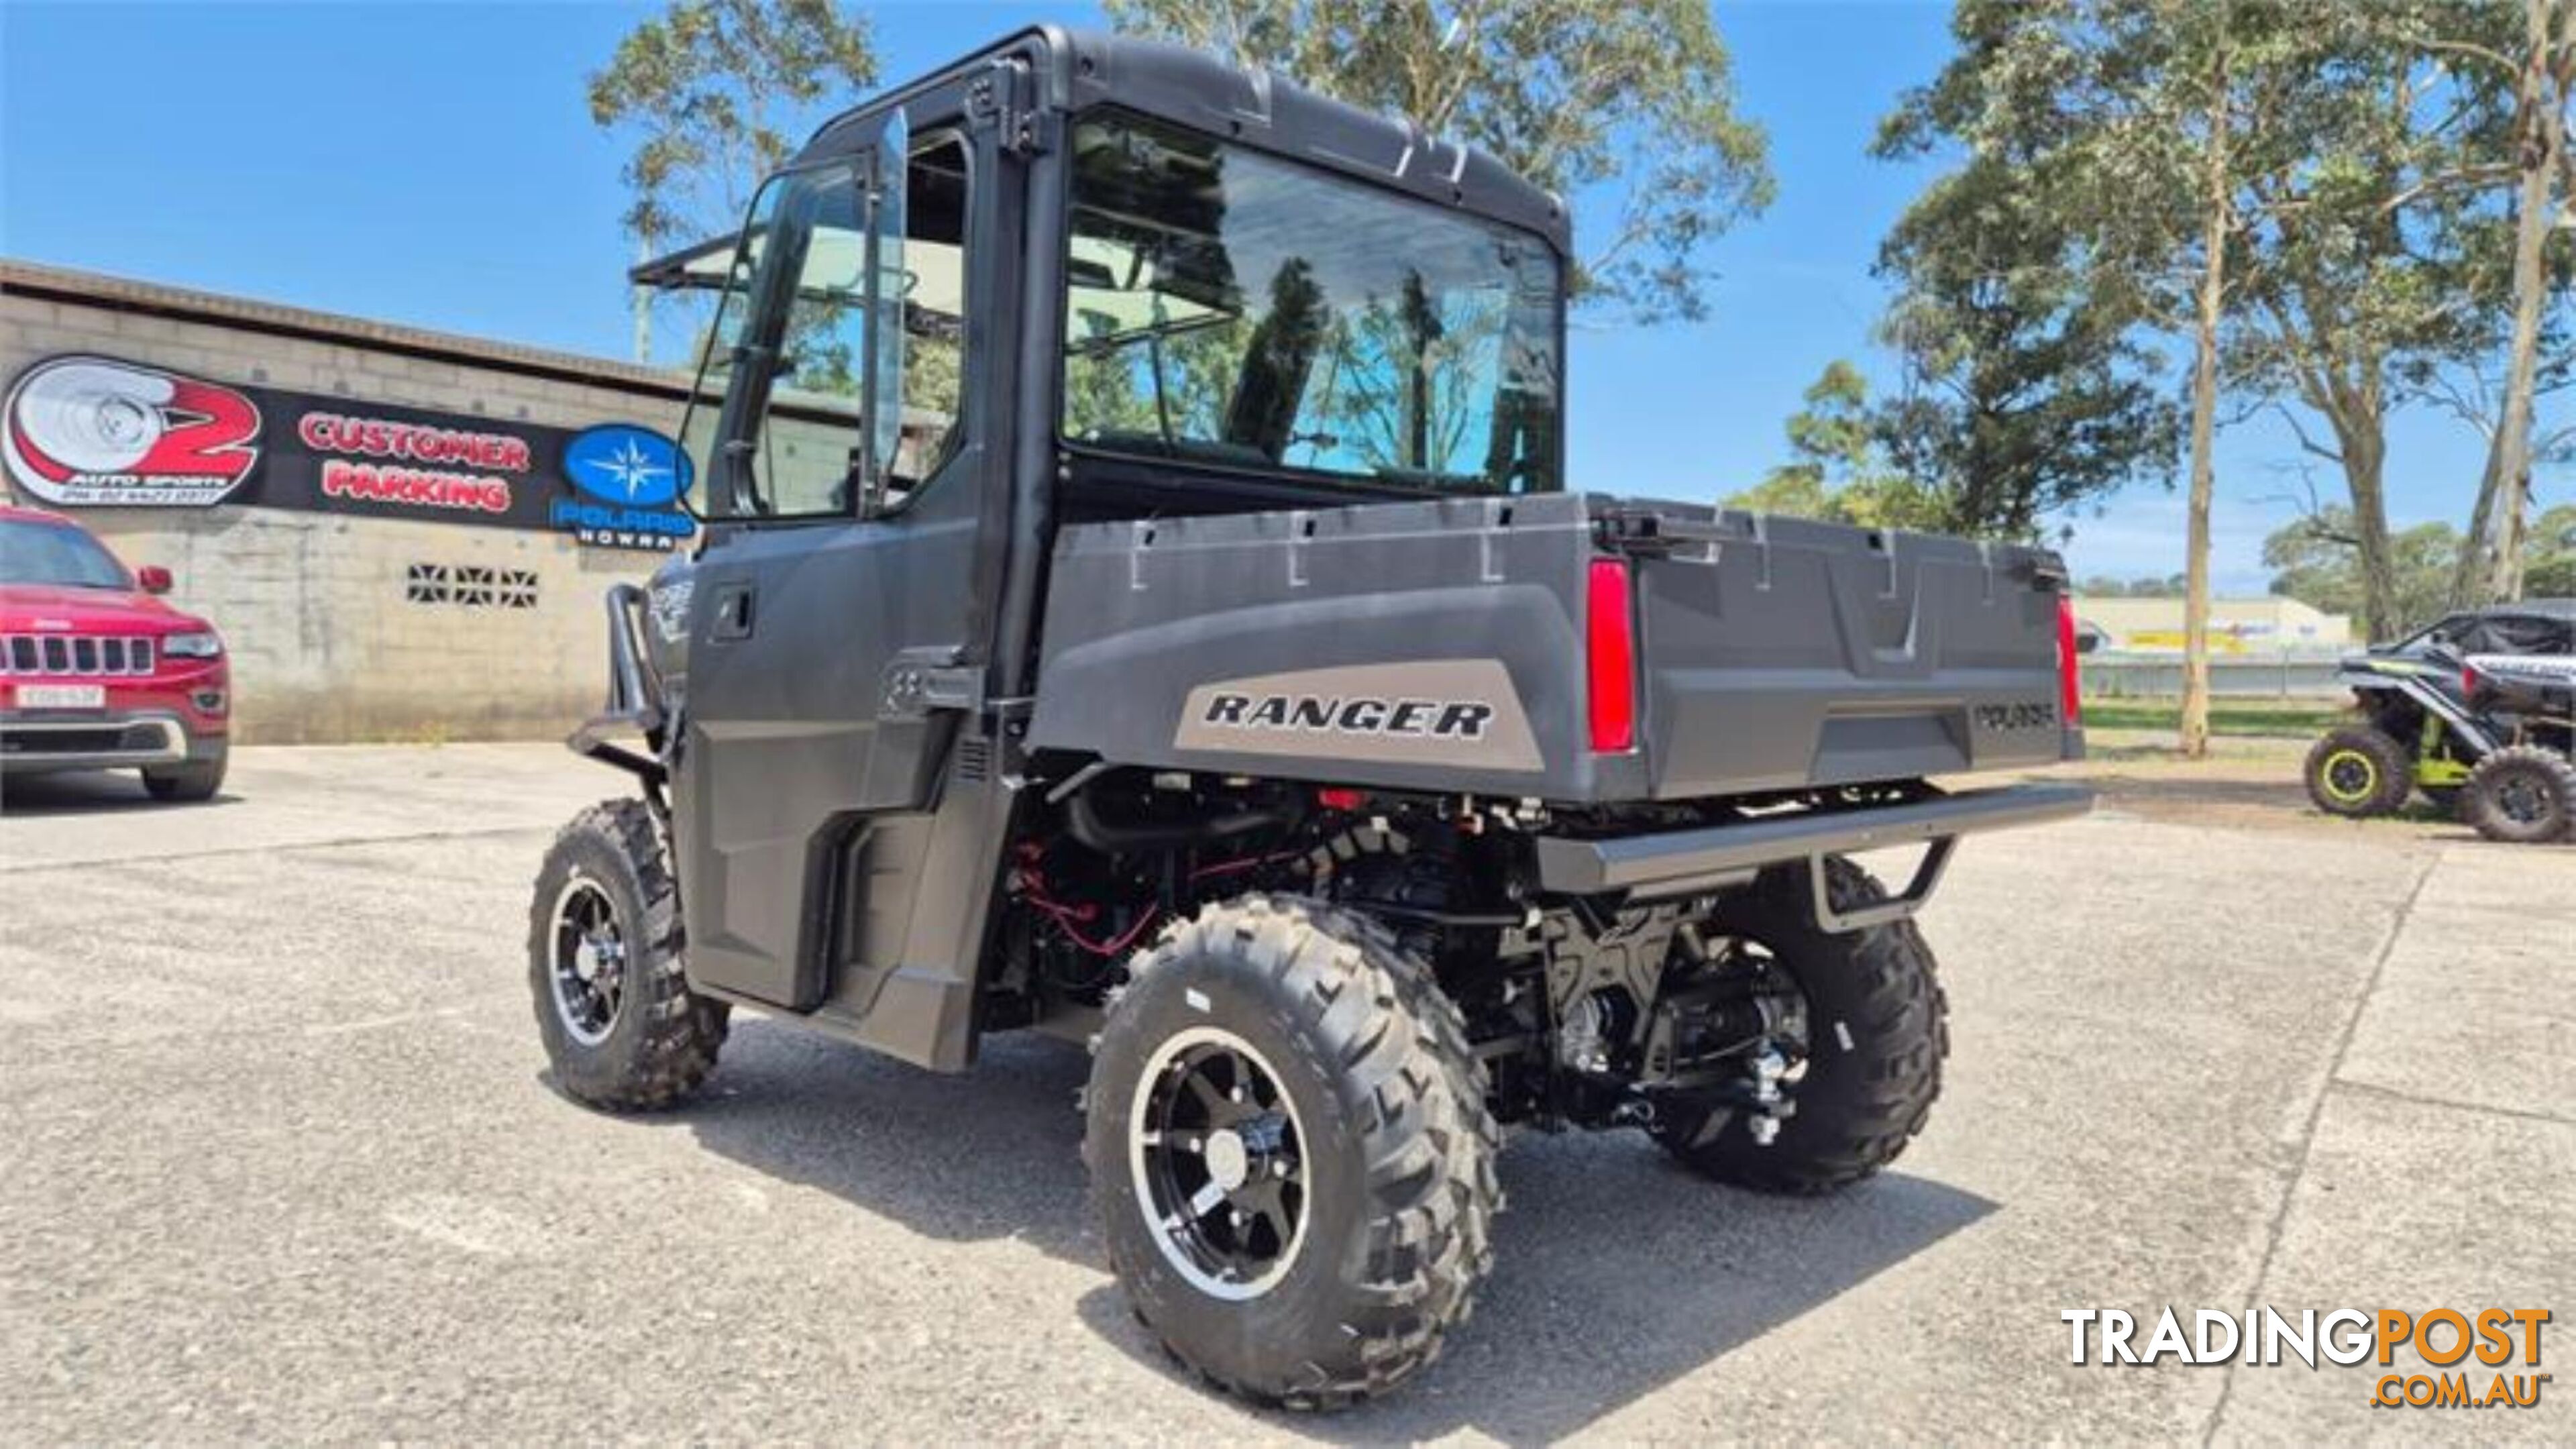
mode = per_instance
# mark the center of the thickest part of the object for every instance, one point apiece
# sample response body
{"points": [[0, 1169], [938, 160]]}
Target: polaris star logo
{"points": [[1462, 713], [1438, 718]]}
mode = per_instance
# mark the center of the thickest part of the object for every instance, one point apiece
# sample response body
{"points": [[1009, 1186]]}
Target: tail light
{"points": [[1610, 651], [2070, 674], [2469, 680]]}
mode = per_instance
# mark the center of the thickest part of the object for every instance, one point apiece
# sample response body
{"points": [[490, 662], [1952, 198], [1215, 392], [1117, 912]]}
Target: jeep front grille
{"points": [[77, 656]]}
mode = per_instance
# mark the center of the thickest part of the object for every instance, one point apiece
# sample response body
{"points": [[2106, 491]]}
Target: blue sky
{"points": [[433, 164]]}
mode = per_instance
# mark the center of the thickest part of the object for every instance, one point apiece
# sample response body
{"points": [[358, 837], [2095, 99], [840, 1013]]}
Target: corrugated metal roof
{"points": [[129, 295]]}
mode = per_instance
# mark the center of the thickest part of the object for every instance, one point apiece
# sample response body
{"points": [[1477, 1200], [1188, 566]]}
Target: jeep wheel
{"points": [[620, 1024], [2358, 772], [195, 780], [1290, 1152], [2524, 795], [1877, 1027]]}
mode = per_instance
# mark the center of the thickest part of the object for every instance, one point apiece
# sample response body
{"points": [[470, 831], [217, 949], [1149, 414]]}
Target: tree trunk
{"points": [[2541, 138], [2204, 419], [642, 301], [2365, 452], [2469, 573]]}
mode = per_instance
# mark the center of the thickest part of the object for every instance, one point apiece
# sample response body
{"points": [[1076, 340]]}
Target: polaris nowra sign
{"points": [[627, 483]]}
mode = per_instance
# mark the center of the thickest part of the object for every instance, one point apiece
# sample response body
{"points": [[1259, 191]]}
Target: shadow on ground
{"points": [[1616, 1272], [87, 792]]}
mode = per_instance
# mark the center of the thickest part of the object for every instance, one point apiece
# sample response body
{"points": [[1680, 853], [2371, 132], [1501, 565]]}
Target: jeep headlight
{"points": [[197, 644]]}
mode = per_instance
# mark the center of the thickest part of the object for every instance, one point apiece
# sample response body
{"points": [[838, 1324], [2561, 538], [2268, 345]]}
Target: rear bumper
{"points": [[1677, 862], [35, 744]]}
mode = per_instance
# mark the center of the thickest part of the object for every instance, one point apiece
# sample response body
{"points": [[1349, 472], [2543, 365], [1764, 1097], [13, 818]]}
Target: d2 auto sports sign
{"points": [[89, 430], [103, 432]]}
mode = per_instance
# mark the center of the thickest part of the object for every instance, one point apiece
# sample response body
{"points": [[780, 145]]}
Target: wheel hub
{"points": [[1228, 1163], [586, 959], [2522, 801], [1218, 1158]]}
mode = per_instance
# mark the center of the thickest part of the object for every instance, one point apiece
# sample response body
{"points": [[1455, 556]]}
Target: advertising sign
{"points": [[82, 431], [626, 483], [87, 432]]}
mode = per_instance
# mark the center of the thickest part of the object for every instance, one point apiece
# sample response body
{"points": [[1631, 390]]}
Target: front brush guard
{"points": [[634, 698]]}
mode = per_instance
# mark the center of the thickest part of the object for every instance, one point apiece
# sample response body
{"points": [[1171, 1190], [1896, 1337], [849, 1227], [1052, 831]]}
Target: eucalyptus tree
{"points": [[710, 90]]}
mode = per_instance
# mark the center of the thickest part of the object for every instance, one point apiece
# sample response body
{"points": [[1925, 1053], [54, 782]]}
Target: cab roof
{"points": [[1080, 69], [2561, 610]]}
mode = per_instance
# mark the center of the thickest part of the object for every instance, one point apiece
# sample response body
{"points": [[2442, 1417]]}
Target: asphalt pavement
{"points": [[278, 1161]]}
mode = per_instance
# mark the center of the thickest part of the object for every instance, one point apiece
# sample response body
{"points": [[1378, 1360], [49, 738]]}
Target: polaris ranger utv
{"points": [[1137, 600]]}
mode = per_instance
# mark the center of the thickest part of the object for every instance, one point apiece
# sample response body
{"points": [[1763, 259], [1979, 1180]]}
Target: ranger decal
{"points": [[1461, 712]]}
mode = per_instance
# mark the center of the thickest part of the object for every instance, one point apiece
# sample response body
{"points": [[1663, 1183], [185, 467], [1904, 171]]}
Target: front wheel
{"points": [[2359, 771], [1290, 1152], [1876, 1028], [621, 1026], [196, 780]]}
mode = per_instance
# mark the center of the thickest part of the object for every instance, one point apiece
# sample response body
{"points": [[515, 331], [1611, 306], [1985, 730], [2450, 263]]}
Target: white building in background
{"points": [[2267, 624]]}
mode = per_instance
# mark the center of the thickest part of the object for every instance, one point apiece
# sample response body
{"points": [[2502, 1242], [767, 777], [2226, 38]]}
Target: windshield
{"points": [[1229, 307], [53, 553]]}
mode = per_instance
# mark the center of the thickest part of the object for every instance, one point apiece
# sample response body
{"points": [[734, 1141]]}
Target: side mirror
{"points": [[153, 579]]}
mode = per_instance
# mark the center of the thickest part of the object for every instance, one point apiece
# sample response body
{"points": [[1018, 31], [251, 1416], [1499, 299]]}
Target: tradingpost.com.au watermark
{"points": [[2490, 1357]]}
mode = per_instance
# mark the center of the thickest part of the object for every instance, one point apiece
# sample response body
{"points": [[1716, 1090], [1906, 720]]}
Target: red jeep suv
{"points": [[95, 672]]}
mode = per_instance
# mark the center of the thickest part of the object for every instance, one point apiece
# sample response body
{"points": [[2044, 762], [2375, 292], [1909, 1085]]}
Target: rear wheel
{"points": [[620, 1024], [1877, 1027], [2359, 771], [1290, 1152], [2523, 795]]}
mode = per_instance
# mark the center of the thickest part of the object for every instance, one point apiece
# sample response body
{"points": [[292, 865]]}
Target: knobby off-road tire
{"points": [[607, 881], [1877, 1028], [2525, 795], [1368, 1070], [2359, 772]]}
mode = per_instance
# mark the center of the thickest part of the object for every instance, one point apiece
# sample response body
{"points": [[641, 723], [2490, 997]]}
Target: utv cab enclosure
{"points": [[1138, 600]]}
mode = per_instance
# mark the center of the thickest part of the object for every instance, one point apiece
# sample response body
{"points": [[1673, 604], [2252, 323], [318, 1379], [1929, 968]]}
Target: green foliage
{"points": [[2317, 560], [2030, 389], [1840, 470], [1634, 98], [709, 88], [2322, 149], [2549, 560]]}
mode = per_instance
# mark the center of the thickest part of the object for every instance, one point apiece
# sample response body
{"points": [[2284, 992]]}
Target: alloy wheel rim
{"points": [[2522, 800], [1219, 1160], [2350, 775], [586, 961]]}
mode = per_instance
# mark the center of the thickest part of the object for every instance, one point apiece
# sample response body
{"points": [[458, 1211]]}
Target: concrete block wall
{"points": [[327, 645]]}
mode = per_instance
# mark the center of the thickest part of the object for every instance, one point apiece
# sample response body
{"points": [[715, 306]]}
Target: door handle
{"points": [[733, 613]]}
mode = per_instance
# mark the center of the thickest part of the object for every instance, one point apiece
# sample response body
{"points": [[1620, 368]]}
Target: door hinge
{"points": [[999, 101], [917, 683]]}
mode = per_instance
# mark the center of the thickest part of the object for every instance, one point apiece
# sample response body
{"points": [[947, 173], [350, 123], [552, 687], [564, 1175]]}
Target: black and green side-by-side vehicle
{"points": [[1138, 600], [2478, 711]]}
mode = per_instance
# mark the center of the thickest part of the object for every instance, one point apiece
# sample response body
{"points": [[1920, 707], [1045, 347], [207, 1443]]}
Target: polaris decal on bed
{"points": [[2033, 714], [1460, 712]]}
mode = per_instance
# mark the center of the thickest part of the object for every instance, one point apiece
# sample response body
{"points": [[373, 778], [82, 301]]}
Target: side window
{"points": [[934, 283], [787, 349], [816, 413], [786, 366]]}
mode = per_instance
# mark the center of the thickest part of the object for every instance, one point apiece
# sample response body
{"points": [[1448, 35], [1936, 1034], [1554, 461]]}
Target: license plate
{"points": [[62, 696]]}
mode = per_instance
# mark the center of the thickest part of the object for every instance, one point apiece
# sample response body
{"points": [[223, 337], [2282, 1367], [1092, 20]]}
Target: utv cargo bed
{"points": [[1364, 644]]}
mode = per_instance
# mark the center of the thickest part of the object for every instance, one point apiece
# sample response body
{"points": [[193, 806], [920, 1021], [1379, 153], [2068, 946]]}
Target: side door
{"points": [[835, 587]]}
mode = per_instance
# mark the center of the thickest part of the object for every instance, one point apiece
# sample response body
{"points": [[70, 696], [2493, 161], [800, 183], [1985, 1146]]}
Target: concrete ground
{"points": [[278, 1161]]}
